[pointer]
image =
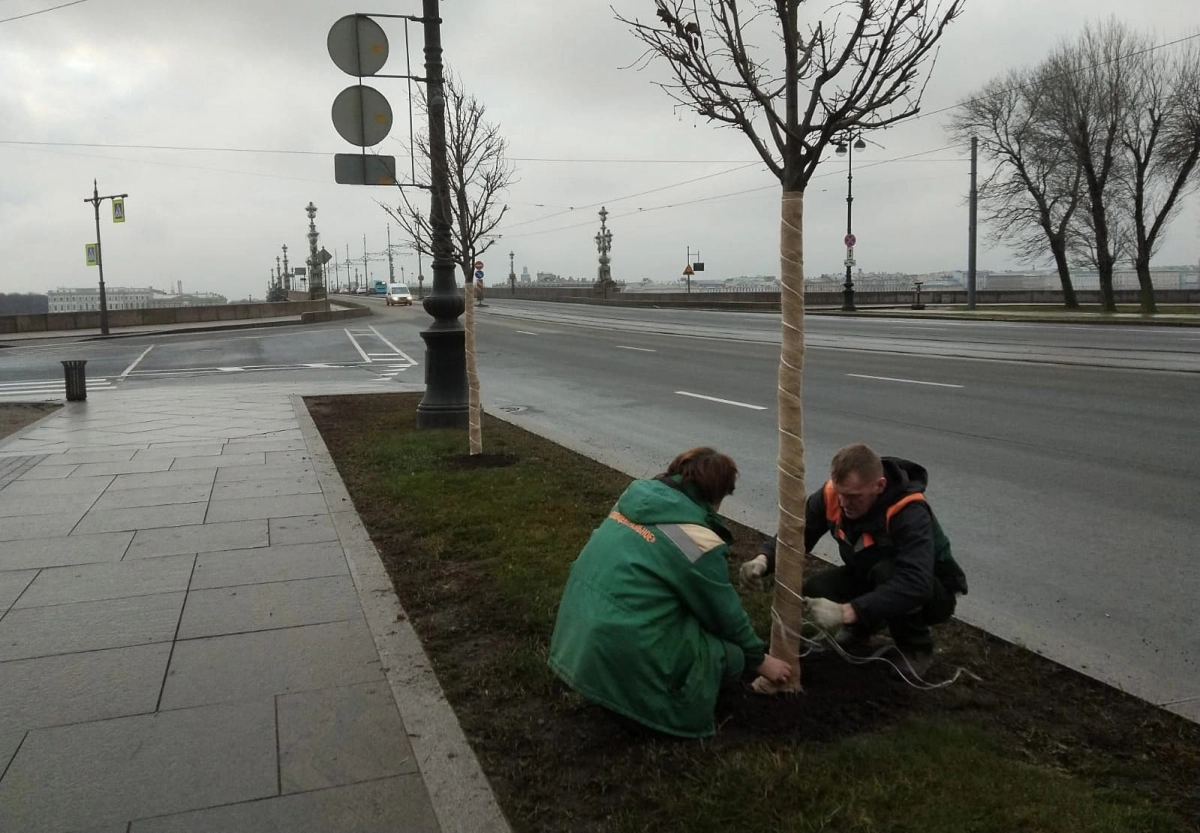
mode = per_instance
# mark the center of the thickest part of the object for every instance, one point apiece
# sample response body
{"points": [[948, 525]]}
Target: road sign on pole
{"points": [[850, 240], [357, 45], [364, 169], [479, 264], [687, 270], [362, 116], [478, 274]]}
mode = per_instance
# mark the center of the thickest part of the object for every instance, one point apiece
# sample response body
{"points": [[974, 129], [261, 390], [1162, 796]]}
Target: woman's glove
{"points": [[752, 572]]}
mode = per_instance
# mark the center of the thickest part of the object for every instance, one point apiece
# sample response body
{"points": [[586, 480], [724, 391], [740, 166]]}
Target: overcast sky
{"points": [[255, 75]]}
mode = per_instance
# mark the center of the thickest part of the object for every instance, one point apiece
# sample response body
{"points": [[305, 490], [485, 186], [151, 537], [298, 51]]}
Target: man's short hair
{"points": [[859, 459], [712, 473]]}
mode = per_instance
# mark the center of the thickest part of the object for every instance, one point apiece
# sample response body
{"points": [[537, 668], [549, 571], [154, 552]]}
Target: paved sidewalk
{"points": [[196, 633]]}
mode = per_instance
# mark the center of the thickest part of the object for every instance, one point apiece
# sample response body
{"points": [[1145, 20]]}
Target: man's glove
{"points": [[825, 614], [752, 572]]}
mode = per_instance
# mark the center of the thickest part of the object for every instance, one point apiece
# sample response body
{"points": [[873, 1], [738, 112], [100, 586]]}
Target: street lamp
{"points": [[846, 148], [512, 275]]}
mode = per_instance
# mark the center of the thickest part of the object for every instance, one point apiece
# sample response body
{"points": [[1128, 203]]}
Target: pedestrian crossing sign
{"points": [[93, 254], [118, 210]]}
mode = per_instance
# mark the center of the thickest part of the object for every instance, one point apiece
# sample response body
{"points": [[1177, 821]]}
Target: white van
{"points": [[397, 293]]}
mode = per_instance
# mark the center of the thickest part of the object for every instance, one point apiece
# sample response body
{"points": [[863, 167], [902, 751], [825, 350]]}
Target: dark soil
{"points": [[16, 415], [1051, 715]]}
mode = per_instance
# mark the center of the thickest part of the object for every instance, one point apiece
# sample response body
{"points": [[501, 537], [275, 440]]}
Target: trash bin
{"points": [[76, 380]]}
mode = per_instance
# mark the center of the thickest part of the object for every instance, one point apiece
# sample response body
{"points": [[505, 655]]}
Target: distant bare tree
{"points": [[858, 66], [1087, 84], [1161, 139], [1033, 191], [479, 172]]}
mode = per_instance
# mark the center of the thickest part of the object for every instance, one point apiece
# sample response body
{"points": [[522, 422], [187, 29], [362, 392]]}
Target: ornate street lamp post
{"points": [[604, 239], [847, 149], [316, 283], [445, 404]]}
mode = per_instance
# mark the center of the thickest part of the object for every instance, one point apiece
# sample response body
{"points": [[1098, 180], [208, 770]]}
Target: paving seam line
{"points": [[460, 793]]}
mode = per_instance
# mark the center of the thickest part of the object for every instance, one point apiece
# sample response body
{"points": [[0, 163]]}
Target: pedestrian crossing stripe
{"points": [[51, 383]]}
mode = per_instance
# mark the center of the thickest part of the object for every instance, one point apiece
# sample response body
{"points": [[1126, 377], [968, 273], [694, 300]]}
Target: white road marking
{"points": [[722, 401], [357, 347], [136, 361], [395, 349], [526, 333], [639, 349], [906, 381], [231, 369], [47, 386]]}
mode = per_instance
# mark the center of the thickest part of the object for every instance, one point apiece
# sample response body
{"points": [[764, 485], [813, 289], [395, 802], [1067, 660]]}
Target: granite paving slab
{"points": [[220, 669], [89, 626], [392, 805], [108, 580], [112, 771], [73, 688], [58, 552], [279, 604], [148, 543], [336, 736], [305, 529], [263, 564]]}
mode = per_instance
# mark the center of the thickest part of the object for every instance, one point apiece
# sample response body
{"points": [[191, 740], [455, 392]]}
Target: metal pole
{"points": [[95, 201], [445, 403], [972, 233], [391, 265], [848, 288]]}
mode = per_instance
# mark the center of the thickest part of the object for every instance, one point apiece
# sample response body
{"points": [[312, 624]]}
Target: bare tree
{"points": [[479, 173], [1087, 89], [1033, 191], [859, 67], [1161, 139]]}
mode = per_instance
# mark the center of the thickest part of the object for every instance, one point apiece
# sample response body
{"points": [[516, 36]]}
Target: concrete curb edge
{"points": [[461, 795]]}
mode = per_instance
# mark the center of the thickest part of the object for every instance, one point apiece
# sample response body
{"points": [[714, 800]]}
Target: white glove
{"points": [[751, 573], [825, 614]]}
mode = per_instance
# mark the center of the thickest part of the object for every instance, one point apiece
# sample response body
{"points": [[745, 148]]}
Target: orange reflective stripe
{"points": [[833, 509], [900, 504], [866, 541]]}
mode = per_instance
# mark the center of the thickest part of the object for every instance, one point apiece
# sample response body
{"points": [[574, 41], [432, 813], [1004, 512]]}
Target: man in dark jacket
{"points": [[898, 570]]}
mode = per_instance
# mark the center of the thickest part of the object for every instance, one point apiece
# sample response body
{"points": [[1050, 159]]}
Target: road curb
{"points": [[459, 790], [1027, 319]]}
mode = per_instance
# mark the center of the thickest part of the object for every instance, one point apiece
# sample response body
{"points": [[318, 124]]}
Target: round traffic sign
{"points": [[850, 240], [479, 264], [357, 45], [362, 116], [478, 274]]}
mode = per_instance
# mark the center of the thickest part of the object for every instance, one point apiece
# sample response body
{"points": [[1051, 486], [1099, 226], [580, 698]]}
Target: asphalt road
{"points": [[1062, 458]]}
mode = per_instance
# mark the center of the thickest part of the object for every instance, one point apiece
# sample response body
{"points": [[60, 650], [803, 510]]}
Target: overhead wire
{"points": [[41, 11]]}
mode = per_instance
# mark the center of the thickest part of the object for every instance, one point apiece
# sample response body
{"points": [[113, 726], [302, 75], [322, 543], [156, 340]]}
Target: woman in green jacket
{"points": [[649, 625]]}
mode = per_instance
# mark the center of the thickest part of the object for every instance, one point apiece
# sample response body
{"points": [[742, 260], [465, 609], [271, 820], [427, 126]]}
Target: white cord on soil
{"points": [[908, 674]]}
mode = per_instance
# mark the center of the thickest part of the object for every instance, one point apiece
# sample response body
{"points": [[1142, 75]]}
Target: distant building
{"points": [[525, 278], [119, 297]]}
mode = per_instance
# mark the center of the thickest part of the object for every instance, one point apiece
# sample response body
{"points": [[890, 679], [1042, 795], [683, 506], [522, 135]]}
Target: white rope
{"points": [[815, 646]]}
